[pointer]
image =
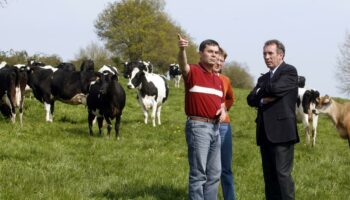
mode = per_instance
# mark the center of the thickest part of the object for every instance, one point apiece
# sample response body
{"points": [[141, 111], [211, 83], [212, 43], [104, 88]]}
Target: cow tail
{"points": [[166, 90]]}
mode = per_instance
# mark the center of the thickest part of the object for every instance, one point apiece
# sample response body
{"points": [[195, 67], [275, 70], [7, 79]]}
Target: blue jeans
{"points": [[203, 142], [227, 183]]}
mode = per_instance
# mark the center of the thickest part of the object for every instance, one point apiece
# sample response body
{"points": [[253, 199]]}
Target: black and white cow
{"points": [[13, 80], [152, 90], [106, 100], [8, 85], [175, 73], [64, 83], [39, 80], [307, 113], [71, 87]]}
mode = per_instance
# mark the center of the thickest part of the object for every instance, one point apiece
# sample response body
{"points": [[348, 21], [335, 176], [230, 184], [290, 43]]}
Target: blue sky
{"points": [[312, 31]]}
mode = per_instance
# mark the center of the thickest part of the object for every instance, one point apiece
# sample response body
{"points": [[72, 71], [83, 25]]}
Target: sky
{"points": [[312, 31]]}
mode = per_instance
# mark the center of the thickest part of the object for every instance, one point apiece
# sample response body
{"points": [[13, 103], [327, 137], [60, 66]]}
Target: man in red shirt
{"points": [[205, 108]]}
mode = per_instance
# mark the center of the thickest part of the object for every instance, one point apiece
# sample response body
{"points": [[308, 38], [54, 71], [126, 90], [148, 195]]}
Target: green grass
{"points": [[60, 160]]}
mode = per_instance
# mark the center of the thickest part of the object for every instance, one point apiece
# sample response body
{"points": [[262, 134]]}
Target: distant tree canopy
{"points": [[343, 67], [141, 30], [238, 75], [13, 57]]}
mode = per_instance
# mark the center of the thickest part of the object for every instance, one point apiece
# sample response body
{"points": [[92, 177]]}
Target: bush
{"points": [[238, 75]]}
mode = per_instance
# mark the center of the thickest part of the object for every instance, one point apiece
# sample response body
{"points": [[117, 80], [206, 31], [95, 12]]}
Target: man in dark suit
{"points": [[275, 96]]}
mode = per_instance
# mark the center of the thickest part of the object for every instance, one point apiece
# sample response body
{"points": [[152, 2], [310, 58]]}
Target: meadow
{"points": [[60, 160]]}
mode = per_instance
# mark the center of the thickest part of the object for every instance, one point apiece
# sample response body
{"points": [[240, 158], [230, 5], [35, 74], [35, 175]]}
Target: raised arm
{"points": [[182, 57]]}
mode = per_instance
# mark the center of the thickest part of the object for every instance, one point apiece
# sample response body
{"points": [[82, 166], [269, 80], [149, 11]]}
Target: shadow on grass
{"points": [[161, 192]]}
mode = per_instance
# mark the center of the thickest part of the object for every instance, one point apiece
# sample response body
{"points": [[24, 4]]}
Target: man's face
{"points": [[219, 64], [272, 57], [209, 55]]}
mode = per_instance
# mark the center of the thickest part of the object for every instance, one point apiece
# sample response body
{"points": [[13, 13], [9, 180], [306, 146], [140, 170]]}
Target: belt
{"points": [[203, 119]]}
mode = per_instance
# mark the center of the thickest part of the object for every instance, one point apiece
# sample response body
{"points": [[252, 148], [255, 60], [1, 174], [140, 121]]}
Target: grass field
{"points": [[60, 160]]}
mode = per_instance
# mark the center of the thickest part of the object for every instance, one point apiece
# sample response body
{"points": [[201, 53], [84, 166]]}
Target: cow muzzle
{"points": [[131, 86]]}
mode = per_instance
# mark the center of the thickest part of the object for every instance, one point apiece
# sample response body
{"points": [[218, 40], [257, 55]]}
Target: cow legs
{"points": [[158, 114], [91, 118], [314, 129], [314, 133], [52, 109], [307, 135], [7, 99], [109, 126], [154, 110], [116, 126], [177, 81], [13, 112], [21, 110], [100, 123], [307, 129], [145, 114], [49, 111]]}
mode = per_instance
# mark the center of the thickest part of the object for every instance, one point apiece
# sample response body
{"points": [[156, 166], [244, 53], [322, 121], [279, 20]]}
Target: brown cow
{"points": [[339, 113]]}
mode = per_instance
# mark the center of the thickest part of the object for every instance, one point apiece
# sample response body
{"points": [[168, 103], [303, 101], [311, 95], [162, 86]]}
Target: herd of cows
{"points": [[100, 91], [105, 98]]}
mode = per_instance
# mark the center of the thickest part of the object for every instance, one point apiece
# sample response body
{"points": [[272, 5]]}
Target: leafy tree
{"points": [[141, 30], [343, 67], [238, 75], [95, 52]]}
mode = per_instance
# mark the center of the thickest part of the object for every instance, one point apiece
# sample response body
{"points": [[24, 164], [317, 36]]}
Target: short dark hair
{"points": [[279, 45], [222, 52], [208, 42]]}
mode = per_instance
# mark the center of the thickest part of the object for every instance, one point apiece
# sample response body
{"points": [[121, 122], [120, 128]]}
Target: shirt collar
{"points": [[274, 70]]}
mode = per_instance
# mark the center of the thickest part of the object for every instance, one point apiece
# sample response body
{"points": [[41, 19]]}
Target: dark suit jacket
{"points": [[276, 119]]}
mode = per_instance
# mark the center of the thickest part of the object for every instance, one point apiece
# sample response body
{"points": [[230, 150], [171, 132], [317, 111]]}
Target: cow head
{"points": [[35, 63], [142, 65], [87, 65], [110, 69], [105, 80], [301, 81], [136, 78], [324, 104], [174, 70]]}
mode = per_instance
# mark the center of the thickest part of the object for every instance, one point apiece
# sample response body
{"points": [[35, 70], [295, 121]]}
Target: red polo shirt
{"points": [[204, 92]]}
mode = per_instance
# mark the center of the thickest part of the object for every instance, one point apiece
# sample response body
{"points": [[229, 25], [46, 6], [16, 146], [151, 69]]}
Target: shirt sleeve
{"points": [[230, 96]]}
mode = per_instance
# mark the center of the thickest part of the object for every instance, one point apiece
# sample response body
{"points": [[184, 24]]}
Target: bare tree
{"points": [[2, 3], [343, 66]]}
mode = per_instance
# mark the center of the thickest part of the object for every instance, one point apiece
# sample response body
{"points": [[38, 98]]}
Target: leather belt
{"points": [[203, 119]]}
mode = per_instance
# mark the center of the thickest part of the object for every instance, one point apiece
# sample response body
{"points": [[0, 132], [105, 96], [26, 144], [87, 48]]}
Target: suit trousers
{"points": [[277, 163]]}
